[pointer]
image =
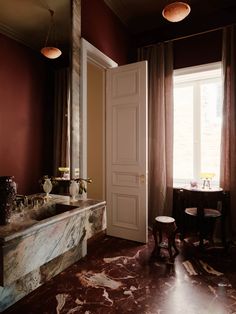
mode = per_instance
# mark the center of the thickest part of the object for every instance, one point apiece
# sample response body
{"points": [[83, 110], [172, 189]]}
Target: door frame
{"points": [[91, 54]]}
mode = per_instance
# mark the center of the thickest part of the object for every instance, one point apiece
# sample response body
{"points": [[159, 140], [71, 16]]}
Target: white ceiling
{"points": [[27, 20]]}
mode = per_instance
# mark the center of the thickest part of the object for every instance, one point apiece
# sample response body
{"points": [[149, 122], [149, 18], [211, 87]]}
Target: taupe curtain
{"points": [[160, 72], [228, 141], [61, 120]]}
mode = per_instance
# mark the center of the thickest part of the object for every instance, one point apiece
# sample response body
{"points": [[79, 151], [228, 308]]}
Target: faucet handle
{"points": [[37, 200], [21, 201], [26, 201], [21, 206]]}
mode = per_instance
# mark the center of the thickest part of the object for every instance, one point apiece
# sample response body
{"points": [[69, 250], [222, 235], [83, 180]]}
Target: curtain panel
{"points": [[160, 127], [228, 140]]}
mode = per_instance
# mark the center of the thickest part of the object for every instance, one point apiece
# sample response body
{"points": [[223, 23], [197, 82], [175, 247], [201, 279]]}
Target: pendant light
{"points": [[176, 11], [50, 51]]}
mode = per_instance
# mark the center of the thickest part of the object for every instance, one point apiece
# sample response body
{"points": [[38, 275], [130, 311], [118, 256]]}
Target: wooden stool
{"points": [[165, 225]]}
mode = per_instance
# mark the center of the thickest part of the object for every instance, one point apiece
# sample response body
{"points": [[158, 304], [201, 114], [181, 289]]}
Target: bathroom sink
{"points": [[50, 211]]}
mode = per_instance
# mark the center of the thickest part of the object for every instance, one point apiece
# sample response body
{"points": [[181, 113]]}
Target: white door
{"points": [[126, 152]]}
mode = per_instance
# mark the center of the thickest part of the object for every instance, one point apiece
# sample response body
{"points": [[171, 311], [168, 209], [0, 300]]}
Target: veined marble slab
{"points": [[21, 223], [29, 247], [14, 292], [23, 255]]}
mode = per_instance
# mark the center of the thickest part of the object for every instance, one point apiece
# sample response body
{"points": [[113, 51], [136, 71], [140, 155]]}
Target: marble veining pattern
{"points": [[120, 276], [22, 226], [42, 246], [34, 255], [96, 222], [90, 279], [28, 283], [75, 86]]}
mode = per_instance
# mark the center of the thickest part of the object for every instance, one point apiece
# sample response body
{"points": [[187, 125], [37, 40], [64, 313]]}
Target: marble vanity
{"points": [[41, 242]]}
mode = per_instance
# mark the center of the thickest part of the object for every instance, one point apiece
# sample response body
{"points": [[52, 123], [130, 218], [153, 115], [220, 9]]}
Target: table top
{"points": [[206, 189]]}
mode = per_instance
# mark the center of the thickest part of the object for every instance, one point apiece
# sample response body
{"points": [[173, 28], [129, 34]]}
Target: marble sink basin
{"points": [[50, 211]]}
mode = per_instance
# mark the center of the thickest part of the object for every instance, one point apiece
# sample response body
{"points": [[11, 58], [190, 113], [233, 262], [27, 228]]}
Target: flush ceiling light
{"points": [[50, 51], [176, 11]]}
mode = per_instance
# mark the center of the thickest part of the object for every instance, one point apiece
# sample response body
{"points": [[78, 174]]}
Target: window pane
{"points": [[197, 122], [183, 133], [211, 106]]}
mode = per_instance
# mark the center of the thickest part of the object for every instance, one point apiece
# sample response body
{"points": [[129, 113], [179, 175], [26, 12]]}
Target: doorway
{"points": [[93, 67], [95, 131], [114, 140]]}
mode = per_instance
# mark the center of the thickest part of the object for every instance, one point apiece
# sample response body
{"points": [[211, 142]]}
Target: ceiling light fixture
{"points": [[50, 51], [176, 11]]}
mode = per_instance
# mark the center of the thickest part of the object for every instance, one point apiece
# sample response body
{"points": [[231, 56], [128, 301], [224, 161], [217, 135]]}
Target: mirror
{"points": [[28, 122]]}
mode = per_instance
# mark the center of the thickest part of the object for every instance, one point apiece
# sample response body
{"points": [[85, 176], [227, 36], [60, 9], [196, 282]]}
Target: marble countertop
{"points": [[22, 224]]}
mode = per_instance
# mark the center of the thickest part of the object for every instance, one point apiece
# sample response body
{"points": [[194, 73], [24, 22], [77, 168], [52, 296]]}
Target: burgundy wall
{"points": [[22, 108], [199, 49], [193, 49], [101, 27]]}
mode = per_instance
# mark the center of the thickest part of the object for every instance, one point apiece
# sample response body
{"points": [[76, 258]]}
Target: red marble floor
{"points": [[120, 276]]}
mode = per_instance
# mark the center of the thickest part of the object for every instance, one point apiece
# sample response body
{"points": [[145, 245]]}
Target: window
{"points": [[197, 122]]}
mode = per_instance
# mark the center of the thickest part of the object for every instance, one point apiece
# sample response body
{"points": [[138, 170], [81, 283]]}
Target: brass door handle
{"points": [[142, 178]]}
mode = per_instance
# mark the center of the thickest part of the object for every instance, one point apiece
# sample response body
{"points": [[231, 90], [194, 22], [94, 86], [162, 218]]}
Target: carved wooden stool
{"points": [[165, 225]]}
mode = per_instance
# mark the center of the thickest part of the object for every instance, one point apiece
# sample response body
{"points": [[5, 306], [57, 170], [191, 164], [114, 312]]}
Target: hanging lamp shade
{"points": [[50, 51], [176, 11]]}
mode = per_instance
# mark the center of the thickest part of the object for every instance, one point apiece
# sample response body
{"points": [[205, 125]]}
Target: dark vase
{"points": [[7, 197]]}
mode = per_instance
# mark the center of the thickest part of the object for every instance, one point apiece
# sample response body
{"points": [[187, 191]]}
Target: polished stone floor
{"points": [[120, 276]]}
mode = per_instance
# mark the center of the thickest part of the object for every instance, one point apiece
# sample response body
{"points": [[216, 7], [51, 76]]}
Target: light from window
{"points": [[197, 122]]}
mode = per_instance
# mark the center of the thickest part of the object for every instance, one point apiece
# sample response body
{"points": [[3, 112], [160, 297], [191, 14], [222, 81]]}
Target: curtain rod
{"points": [[188, 36]]}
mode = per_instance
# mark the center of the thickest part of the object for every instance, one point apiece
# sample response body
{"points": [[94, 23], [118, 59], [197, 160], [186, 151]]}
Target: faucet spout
{"points": [[37, 200], [21, 201]]}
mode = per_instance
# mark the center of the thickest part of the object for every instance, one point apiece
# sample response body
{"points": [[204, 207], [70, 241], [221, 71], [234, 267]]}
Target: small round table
{"points": [[202, 204]]}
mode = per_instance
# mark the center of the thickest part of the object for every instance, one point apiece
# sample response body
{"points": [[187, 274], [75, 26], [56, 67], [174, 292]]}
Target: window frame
{"points": [[190, 76]]}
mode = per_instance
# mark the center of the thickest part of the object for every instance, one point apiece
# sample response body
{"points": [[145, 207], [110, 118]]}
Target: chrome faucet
{"points": [[37, 200], [21, 201]]}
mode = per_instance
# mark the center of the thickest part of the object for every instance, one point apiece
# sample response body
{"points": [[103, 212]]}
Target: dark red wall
{"points": [[101, 27], [23, 104], [199, 49]]}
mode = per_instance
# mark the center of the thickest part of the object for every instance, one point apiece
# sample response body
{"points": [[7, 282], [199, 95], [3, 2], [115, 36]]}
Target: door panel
{"points": [[125, 117], [126, 151]]}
